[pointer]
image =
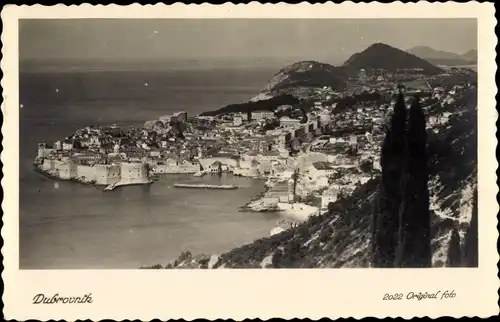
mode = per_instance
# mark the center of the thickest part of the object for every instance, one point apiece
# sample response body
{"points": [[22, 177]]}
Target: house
{"points": [[321, 169], [353, 140], [95, 141], [262, 115], [237, 120], [216, 167], [318, 105]]}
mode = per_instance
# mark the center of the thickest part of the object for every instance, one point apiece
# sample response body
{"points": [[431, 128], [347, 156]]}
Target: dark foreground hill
{"points": [[382, 56], [342, 236]]}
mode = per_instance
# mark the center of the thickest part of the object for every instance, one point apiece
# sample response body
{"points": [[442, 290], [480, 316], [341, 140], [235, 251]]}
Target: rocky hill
{"points": [[301, 78], [439, 57], [382, 56], [341, 237]]}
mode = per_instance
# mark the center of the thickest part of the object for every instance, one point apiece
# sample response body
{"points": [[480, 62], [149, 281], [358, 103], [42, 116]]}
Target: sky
{"points": [[327, 40]]}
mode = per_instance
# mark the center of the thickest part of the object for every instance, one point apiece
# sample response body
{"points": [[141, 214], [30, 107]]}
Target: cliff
{"points": [[341, 237], [382, 56], [301, 78]]}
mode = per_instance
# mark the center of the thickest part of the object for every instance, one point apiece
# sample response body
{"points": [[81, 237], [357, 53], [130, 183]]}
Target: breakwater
{"points": [[204, 186]]}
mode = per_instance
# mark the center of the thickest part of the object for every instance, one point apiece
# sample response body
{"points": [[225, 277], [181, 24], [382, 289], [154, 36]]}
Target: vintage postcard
{"points": [[249, 161]]}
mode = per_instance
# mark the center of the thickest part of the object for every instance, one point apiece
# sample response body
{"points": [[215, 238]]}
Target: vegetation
{"points": [[471, 243], [414, 237], [392, 156], [267, 105], [454, 258]]}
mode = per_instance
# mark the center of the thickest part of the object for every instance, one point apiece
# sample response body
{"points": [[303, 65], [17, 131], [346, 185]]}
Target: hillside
{"points": [[266, 104], [439, 57], [382, 56], [303, 77], [342, 236], [471, 55]]}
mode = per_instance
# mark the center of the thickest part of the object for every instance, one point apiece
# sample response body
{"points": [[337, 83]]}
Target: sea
{"points": [[64, 225]]}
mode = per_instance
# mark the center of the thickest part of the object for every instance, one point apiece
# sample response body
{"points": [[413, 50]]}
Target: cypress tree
{"points": [[470, 243], [414, 249], [385, 231], [454, 252]]}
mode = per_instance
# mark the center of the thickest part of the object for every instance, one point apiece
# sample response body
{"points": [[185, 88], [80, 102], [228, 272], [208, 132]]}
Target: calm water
{"points": [[77, 226]]}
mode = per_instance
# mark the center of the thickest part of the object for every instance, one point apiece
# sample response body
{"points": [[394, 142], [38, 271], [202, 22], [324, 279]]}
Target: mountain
{"points": [[382, 56], [341, 237], [471, 55], [439, 57], [301, 78]]}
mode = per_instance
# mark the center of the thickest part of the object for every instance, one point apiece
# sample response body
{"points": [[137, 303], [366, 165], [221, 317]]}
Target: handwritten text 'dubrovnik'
{"points": [[56, 299]]}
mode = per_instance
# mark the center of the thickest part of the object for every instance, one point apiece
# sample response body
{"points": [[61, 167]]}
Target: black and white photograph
{"points": [[248, 143], [249, 161]]}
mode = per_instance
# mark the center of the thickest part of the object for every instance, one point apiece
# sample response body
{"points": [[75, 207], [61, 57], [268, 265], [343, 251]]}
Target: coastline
{"points": [[297, 211]]}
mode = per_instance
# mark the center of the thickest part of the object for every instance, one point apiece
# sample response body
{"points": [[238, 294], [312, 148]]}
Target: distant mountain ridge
{"points": [[471, 55], [440, 57]]}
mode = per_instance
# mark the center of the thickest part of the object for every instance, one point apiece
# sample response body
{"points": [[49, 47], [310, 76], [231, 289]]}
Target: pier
{"points": [[205, 186]]}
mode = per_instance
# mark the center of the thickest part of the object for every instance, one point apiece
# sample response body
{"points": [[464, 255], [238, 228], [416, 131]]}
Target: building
{"points": [[362, 75], [107, 174], [262, 115], [237, 120], [180, 116], [353, 140], [173, 166], [216, 167], [328, 196], [43, 150], [321, 169], [286, 121], [57, 145], [132, 173]]}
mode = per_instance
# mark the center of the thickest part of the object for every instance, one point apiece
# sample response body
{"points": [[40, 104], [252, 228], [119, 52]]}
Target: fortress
{"points": [[124, 173]]}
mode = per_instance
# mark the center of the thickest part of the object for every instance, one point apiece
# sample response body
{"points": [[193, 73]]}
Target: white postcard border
{"points": [[239, 294]]}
